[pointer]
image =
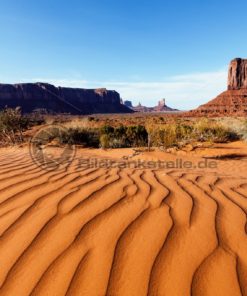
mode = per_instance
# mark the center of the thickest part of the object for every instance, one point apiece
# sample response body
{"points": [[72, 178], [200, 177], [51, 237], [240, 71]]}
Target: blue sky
{"points": [[145, 49]]}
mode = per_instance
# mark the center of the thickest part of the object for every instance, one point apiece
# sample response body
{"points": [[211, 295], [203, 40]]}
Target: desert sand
{"points": [[124, 231]]}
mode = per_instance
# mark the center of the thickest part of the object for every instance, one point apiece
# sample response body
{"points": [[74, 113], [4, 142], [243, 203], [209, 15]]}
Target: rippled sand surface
{"points": [[122, 231]]}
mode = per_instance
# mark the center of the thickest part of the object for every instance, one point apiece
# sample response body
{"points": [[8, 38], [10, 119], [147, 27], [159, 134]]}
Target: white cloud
{"points": [[181, 91]]}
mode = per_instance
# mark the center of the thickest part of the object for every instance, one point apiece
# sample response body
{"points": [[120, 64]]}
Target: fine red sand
{"points": [[118, 231]]}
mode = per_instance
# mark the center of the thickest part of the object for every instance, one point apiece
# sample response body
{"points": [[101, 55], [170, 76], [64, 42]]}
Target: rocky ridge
{"points": [[161, 107]]}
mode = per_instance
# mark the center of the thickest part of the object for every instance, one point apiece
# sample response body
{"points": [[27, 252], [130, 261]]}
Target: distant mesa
{"points": [[161, 107], [234, 100], [56, 100]]}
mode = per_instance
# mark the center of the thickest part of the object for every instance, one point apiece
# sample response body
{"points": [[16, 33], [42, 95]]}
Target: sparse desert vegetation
{"points": [[12, 126], [125, 131], [75, 229]]}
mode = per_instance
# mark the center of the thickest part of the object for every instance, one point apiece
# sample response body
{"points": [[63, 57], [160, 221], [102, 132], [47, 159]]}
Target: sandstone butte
{"points": [[233, 101]]}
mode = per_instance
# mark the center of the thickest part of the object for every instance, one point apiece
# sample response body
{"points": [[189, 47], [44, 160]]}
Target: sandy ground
{"points": [[124, 231]]}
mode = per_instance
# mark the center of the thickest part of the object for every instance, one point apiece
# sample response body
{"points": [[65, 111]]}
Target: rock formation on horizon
{"points": [[232, 102], [161, 107], [43, 96]]}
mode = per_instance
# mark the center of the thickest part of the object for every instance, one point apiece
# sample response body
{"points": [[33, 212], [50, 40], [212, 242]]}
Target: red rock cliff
{"points": [[237, 75], [232, 102]]}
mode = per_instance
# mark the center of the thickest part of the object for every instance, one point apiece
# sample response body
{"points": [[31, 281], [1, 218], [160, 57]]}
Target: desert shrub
{"points": [[165, 136], [12, 126], [169, 135], [106, 136], [238, 125], [107, 129], [122, 136], [80, 136], [137, 136], [178, 133], [213, 131], [105, 141]]}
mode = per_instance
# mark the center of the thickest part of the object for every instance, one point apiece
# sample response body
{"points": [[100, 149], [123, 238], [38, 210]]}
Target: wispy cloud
{"points": [[181, 91]]}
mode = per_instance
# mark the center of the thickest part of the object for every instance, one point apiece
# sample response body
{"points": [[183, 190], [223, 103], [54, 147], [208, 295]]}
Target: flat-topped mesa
{"points": [[43, 96], [237, 75]]}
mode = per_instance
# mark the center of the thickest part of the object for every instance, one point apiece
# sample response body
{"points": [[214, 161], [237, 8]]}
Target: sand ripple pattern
{"points": [[120, 232]]}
